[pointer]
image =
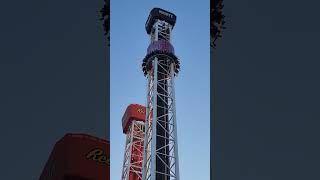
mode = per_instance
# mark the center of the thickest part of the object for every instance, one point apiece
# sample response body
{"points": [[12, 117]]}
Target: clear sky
{"points": [[129, 42]]}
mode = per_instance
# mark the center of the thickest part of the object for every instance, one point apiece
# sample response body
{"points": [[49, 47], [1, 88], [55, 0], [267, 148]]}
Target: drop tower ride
{"points": [[133, 126], [160, 66]]}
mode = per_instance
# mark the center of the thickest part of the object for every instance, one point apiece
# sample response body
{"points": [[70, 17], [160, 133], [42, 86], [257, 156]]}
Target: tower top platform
{"points": [[161, 14], [135, 112]]}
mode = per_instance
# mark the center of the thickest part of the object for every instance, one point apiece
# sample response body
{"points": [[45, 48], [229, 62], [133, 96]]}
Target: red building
{"points": [[78, 157]]}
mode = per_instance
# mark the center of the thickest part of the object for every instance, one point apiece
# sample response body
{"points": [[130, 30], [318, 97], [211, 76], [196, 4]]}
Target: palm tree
{"points": [[105, 16], [216, 21]]}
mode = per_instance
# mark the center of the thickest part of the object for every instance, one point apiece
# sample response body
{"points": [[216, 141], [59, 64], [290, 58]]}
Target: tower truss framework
{"points": [[160, 66], [133, 155]]}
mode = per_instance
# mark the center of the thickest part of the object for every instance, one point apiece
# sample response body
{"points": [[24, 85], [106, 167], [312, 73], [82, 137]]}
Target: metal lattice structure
{"points": [[160, 66], [133, 155]]}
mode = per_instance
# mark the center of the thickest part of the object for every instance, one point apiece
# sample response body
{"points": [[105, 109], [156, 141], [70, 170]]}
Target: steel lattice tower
{"points": [[133, 127], [160, 66]]}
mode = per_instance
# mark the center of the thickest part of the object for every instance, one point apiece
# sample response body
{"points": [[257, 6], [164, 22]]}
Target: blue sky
{"points": [[129, 42]]}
